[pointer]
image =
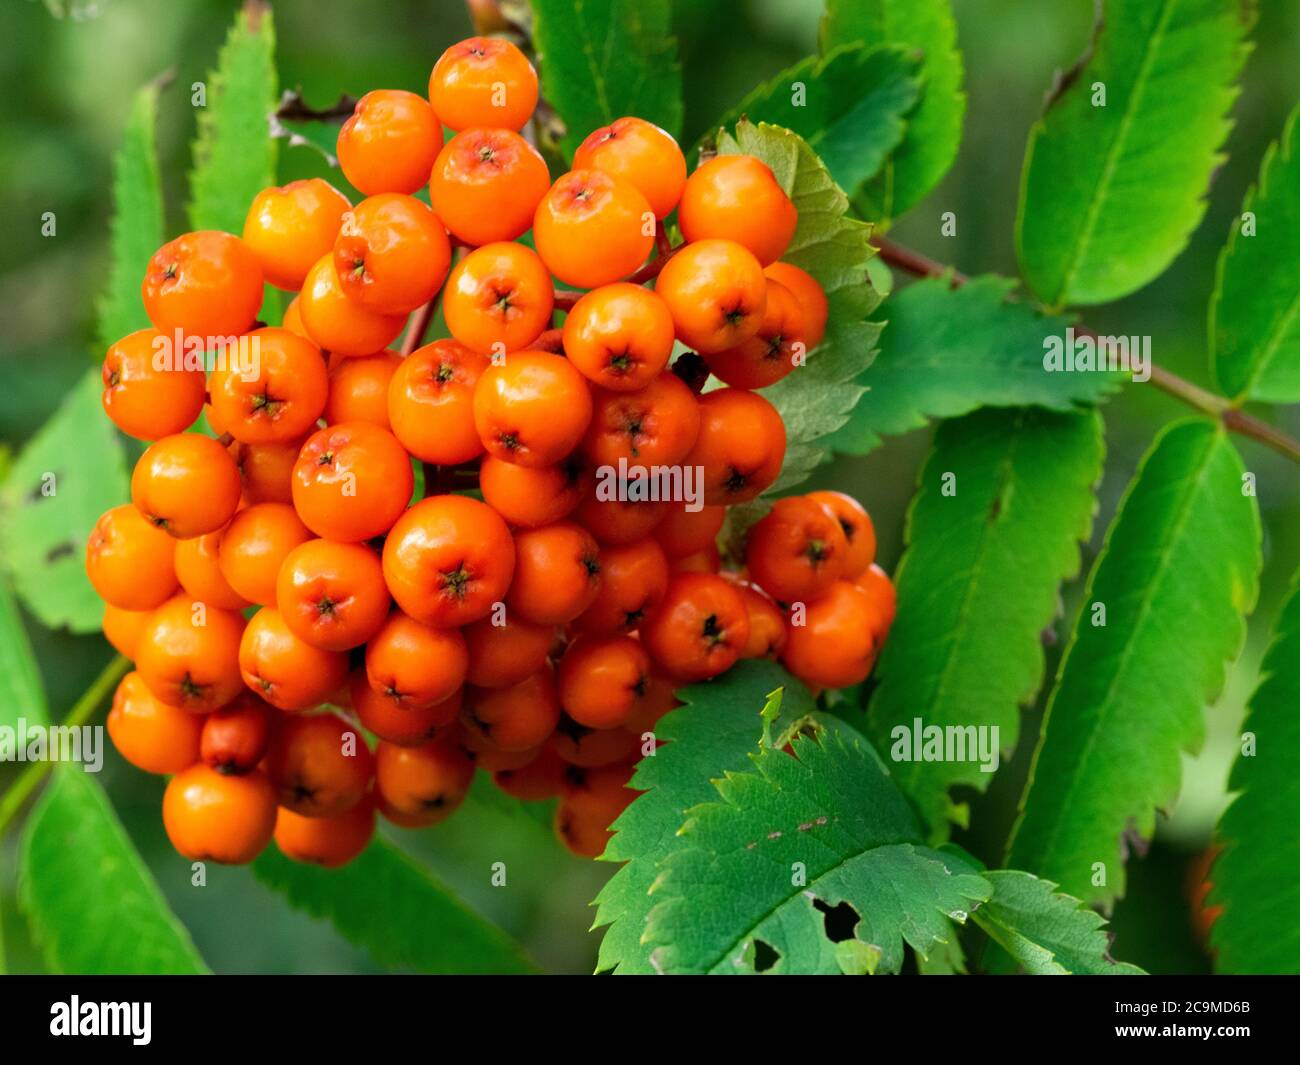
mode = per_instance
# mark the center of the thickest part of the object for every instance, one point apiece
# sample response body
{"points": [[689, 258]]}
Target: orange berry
{"points": [[253, 547], [531, 409], [741, 445], [591, 803], [483, 81], [643, 155], [281, 399], [855, 522], [287, 672], [339, 324], [656, 426], [618, 521], [186, 485], [431, 402], [620, 336], [542, 777], [320, 765], [736, 197], [884, 598], [684, 532], [235, 738], [389, 143], [198, 568], [557, 573], [797, 550], [633, 578], [358, 389], [398, 721], [212, 817], [130, 561], [836, 645], [770, 354], [716, 293], [149, 733], [589, 748], [413, 664], [528, 497], [392, 254], [591, 229], [145, 400], [266, 470], [602, 678], [498, 298], [518, 718], [421, 785], [290, 226], [189, 654], [204, 284], [501, 656], [767, 630], [326, 841], [486, 185], [699, 627], [809, 293], [351, 481], [122, 628], [332, 595], [292, 318]]}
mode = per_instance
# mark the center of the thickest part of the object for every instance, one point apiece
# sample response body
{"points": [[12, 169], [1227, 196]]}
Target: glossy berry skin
{"points": [[601, 678], [483, 81], [338, 324], [531, 496], [413, 664], [189, 654], [282, 400], [431, 402], [320, 765], [741, 445], [359, 389], [884, 599], [351, 481], [389, 143], [145, 400], [392, 254], [716, 293], [205, 284], [218, 818], [615, 522], [122, 628], [641, 154], [796, 551], [683, 532], [836, 645], [398, 720], [501, 656], [421, 785], [767, 628], [656, 426], [532, 409], [811, 297], [236, 737], [149, 733], [619, 336], [255, 545], [290, 226], [518, 718], [498, 299], [486, 185], [736, 197], [586, 811], [186, 485], [633, 579], [774, 352], [332, 595], [198, 568], [855, 522], [130, 561], [329, 842], [592, 229], [699, 627], [448, 559], [266, 470], [287, 672], [557, 573]]}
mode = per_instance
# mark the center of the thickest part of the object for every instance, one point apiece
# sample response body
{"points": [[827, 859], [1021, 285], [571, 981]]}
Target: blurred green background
{"points": [[68, 69]]}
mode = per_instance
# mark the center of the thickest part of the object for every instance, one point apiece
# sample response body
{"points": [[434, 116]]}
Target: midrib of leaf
{"points": [[1112, 154], [597, 75], [1274, 341], [1144, 611]]}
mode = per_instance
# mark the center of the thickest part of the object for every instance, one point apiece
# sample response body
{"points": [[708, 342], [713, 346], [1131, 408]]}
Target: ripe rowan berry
{"points": [[486, 185], [130, 561], [809, 293], [716, 293], [657, 700], [144, 400], [706, 560], [280, 399], [736, 197], [332, 595], [122, 628], [189, 654], [633, 578], [358, 389], [292, 317], [656, 426], [412, 664], [421, 785], [683, 532], [431, 402], [615, 522], [797, 550], [287, 672], [528, 497], [699, 627], [448, 559], [483, 81], [884, 598], [351, 481], [498, 298], [589, 748], [488, 756], [399, 722], [337, 323], [198, 568], [767, 630], [235, 738], [643, 155], [149, 733], [532, 409], [203, 284], [518, 718], [320, 765], [592, 229], [501, 656], [557, 573], [389, 143], [540, 778], [213, 817], [326, 841], [391, 254], [551, 340], [186, 485], [290, 226], [266, 470], [601, 678], [836, 645], [859, 533], [586, 811], [770, 354], [619, 336], [255, 544], [741, 445]]}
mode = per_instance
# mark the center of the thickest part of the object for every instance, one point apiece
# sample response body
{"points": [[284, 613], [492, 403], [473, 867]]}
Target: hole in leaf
{"points": [[840, 921], [765, 956]]}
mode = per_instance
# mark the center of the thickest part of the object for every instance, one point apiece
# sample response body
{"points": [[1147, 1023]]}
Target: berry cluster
{"points": [[538, 633]]}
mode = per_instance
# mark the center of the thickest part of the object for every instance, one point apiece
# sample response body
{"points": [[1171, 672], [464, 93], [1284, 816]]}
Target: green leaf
{"points": [[1255, 312], [934, 128], [1254, 877], [1178, 571], [93, 905], [1047, 933], [791, 841], [712, 733], [387, 904], [69, 473], [1110, 194], [234, 156], [21, 693], [966, 651], [137, 228], [949, 351], [817, 398], [850, 108], [602, 61]]}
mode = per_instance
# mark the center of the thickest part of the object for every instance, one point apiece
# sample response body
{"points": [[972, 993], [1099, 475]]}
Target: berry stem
{"points": [[1233, 419], [566, 298]]}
